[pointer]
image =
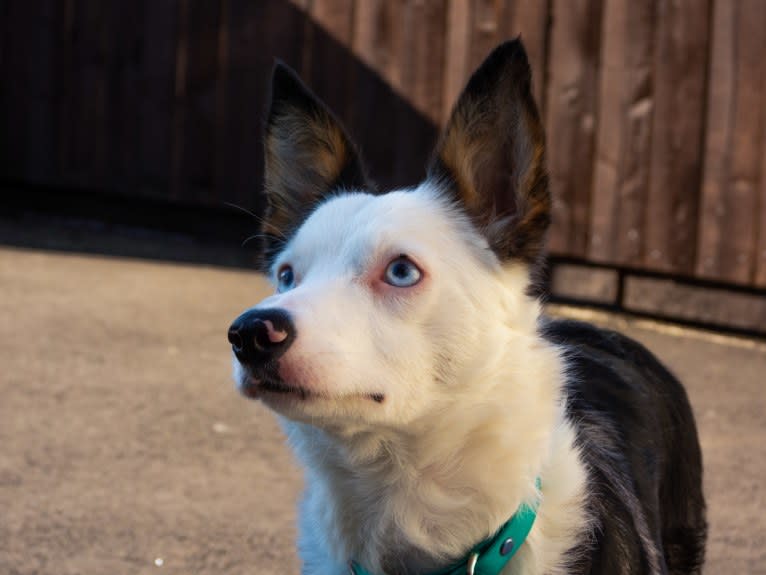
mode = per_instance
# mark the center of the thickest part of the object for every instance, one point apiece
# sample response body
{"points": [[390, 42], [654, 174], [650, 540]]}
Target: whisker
{"points": [[256, 217], [243, 209], [253, 237]]}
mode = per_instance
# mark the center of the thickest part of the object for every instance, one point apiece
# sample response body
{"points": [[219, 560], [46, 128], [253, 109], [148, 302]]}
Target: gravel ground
{"points": [[125, 449]]}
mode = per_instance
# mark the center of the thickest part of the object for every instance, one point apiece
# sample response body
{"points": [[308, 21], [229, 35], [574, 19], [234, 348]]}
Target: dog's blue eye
{"points": [[285, 278], [401, 272]]}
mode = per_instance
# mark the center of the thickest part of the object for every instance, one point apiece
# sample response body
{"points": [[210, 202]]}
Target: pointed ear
{"points": [[307, 156], [491, 156]]}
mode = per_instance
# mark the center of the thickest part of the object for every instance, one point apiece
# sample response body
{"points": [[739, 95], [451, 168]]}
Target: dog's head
{"points": [[389, 305]]}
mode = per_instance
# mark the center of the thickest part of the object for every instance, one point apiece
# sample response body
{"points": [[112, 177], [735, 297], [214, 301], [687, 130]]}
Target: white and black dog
{"points": [[445, 425]]}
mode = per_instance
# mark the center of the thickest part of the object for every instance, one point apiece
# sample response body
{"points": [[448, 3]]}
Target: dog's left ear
{"points": [[491, 156], [307, 156]]}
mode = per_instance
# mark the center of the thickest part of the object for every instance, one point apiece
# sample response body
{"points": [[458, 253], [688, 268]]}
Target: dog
{"points": [[444, 423]]}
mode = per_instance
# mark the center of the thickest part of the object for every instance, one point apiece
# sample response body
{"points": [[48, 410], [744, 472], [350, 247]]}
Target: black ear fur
{"points": [[491, 153], [308, 155]]}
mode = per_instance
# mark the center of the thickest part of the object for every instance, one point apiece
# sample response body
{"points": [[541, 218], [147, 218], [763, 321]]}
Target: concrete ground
{"points": [[125, 449]]}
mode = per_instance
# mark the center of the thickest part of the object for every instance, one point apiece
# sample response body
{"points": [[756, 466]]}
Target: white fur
{"points": [[473, 399]]}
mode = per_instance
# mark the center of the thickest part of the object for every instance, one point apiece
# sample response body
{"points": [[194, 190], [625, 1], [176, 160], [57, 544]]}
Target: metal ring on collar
{"points": [[472, 559]]}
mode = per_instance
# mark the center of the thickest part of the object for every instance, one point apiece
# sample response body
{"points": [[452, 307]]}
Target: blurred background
{"points": [[148, 114], [132, 129]]}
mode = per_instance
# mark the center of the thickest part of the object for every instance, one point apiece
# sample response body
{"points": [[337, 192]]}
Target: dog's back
{"points": [[631, 414]]}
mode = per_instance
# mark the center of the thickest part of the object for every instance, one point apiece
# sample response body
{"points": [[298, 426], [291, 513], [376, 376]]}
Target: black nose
{"points": [[261, 335]]}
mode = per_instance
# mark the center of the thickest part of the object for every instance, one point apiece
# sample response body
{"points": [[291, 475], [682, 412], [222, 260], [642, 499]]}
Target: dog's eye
{"points": [[285, 278], [401, 272]]}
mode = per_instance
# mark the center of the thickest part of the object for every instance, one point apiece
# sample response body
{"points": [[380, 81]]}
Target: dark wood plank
{"points": [[624, 132], [531, 20], [375, 47], [760, 269], [301, 4], [489, 22], [728, 239], [398, 84], [371, 40], [328, 45], [195, 102], [721, 93], [420, 65], [571, 119], [479, 26], [179, 96], [680, 84], [475, 28], [253, 35], [123, 96], [83, 122], [457, 56], [421, 54], [14, 92], [27, 89], [221, 169], [157, 41], [336, 17]]}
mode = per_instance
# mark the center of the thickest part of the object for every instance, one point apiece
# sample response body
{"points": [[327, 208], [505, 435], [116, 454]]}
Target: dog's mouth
{"points": [[256, 388], [259, 388]]}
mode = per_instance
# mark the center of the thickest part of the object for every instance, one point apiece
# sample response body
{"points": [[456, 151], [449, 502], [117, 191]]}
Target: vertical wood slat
{"points": [[15, 18], [123, 96], [158, 37], [420, 66], [571, 120], [624, 132], [396, 40], [457, 58], [195, 102], [734, 153], [179, 94], [335, 16], [221, 170], [488, 23], [335, 19], [28, 44], [252, 35], [760, 268], [680, 69], [475, 27], [421, 55], [83, 128], [330, 31], [529, 19], [371, 40], [374, 44]]}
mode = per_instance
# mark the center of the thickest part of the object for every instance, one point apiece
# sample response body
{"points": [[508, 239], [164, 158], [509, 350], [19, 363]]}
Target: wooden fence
{"points": [[655, 109]]}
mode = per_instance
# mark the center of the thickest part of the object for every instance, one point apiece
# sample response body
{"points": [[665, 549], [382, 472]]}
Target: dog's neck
{"points": [[416, 500]]}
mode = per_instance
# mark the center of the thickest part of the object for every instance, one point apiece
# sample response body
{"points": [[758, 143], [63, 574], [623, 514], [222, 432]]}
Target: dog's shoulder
{"points": [[636, 433], [577, 336], [618, 392], [608, 361]]}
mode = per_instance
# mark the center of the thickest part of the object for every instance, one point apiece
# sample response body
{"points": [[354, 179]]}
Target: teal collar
{"points": [[491, 555]]}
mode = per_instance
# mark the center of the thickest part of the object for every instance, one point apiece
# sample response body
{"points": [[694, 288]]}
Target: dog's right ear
{"points": [[491, 156], [307, 156]]}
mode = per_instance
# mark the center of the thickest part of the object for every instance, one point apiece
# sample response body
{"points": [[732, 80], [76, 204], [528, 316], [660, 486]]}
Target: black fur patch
{"points": [[638, 437]]}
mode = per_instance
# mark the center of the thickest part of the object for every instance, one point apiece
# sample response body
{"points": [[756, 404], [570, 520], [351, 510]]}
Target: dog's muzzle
{"points": [[260, 336]]}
